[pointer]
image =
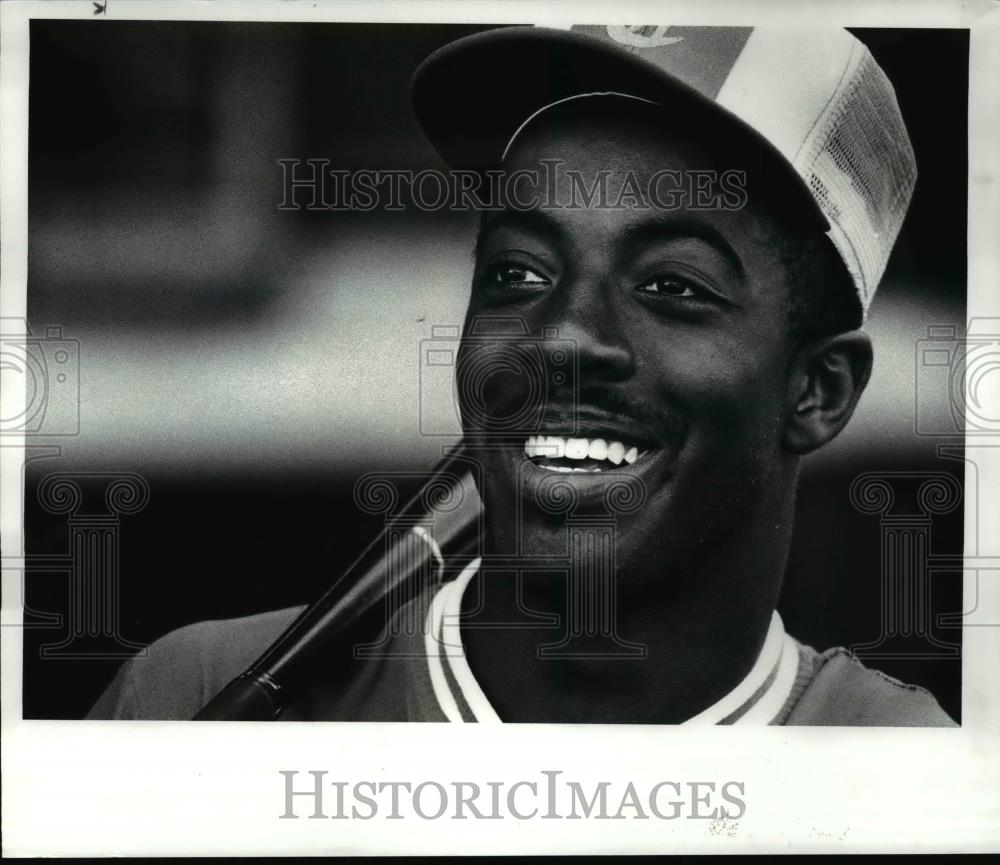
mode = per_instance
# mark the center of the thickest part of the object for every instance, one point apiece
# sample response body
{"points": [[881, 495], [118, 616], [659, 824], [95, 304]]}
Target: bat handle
{"points": [[253, 696], [263, 691]]}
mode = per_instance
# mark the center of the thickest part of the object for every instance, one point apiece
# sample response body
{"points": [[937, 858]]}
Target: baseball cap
{"points": [[814, 98]]}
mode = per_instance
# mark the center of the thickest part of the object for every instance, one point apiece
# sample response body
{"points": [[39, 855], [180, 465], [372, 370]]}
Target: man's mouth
{"points": [[581, 455]]}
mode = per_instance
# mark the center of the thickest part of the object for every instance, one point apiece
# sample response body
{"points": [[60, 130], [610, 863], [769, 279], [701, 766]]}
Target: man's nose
{"points": [[585, 313]]}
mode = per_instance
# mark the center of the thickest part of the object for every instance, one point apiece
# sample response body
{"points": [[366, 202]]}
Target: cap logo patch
{"points": [[642, 35]]}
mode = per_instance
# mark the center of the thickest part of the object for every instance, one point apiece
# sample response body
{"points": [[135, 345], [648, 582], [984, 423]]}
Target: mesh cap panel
{"points": [[860, 168]]}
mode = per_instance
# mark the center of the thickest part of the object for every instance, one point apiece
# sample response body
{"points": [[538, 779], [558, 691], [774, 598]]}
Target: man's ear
{"points": [[825, 382]]}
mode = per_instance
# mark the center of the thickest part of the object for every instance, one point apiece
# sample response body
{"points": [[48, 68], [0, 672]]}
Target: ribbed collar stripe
{"points": [[757, 699]]}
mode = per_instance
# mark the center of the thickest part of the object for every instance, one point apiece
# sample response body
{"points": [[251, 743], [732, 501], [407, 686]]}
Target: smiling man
{"points": [[689, 385], [717, 208]]}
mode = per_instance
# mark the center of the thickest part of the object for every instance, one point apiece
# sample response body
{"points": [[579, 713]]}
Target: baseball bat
{"points": [[264, 690]]}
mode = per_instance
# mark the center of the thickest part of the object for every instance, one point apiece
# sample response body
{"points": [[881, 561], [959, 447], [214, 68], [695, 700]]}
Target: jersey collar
{"points": [[757, 699]]}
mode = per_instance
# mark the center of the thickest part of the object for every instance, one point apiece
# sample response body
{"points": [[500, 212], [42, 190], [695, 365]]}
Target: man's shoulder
{"points": [[181, 671], [839, 690], [223, 637]]}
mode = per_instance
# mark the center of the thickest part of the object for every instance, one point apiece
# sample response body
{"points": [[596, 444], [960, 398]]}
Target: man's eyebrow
{"points": [[536, 221], [655, 228], [663, 227]]}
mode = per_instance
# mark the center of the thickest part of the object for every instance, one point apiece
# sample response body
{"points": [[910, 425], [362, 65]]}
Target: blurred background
{"points": [[252, 363]]}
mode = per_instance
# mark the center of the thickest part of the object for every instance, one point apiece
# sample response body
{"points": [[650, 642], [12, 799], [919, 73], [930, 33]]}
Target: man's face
{"points": [[680, 331]]}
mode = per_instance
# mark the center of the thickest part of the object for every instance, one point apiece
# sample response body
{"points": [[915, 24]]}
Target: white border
{"points": [[178, 789]]}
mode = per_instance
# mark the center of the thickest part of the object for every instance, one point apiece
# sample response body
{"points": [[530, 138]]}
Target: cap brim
{"points": [[472, 95]]}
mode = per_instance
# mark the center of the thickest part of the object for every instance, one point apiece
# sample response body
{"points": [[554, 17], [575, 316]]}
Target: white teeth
{"points": [[598, 449], [616, 452], [557, 447], [577, 449]]}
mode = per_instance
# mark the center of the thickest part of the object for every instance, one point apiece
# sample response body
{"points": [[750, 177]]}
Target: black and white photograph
{"points": [[591, 386]]}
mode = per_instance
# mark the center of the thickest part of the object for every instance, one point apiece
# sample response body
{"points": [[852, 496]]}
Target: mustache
{"points": [[669, 419], [662, 421]]}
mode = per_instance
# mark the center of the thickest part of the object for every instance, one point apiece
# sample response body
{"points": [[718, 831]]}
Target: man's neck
{"points": [[662, 655]]}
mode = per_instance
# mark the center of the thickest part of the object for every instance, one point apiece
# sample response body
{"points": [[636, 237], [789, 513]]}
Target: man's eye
{"points": [[668, 286], [516, 275]]}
